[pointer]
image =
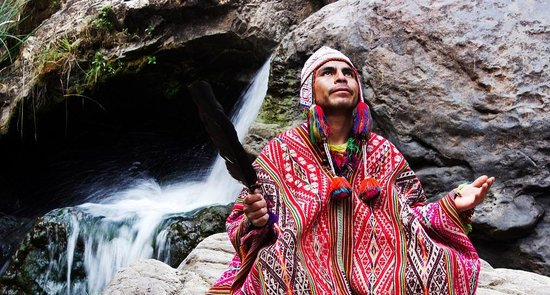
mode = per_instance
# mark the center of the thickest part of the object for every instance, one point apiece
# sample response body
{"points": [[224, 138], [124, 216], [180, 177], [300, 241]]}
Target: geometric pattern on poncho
{"points": [[396, 244]]}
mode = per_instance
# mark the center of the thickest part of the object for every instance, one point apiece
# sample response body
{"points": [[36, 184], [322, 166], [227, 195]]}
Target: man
{"points": [[341, 212]]}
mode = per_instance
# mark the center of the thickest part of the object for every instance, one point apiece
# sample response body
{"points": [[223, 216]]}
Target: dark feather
{"points": [[223, 134]]}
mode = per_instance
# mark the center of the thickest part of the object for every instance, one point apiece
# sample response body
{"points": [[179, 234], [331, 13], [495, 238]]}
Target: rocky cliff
{"points": [[461, 87]]}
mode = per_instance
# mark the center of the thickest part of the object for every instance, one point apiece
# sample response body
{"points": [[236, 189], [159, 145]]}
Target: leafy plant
{"points": [[99, 67], [103, 19], [10, 17]]}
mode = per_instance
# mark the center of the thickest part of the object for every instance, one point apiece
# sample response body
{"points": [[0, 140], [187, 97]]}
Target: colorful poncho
{"points": [[396, 244]]}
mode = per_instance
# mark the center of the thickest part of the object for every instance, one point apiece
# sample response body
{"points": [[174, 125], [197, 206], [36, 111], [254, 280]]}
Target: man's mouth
{"points": [[340, 90]]}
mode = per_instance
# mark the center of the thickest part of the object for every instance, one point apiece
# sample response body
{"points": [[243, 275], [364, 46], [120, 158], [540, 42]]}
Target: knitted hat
{"points": [[317, 59], [319, 128]]}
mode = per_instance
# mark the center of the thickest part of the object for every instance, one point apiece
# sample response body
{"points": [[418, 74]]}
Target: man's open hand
{"points": [[473, 194]]}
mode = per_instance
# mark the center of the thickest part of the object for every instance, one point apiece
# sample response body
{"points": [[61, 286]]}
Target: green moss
{"points": [[278, 111], [281, 104], [55, 4]]}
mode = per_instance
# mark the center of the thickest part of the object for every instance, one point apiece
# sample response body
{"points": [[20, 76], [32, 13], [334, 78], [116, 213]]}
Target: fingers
{"points": [[255, 208], [483, 190], [473, 194], [480, 181], [261, 221], [251, 199], [256, 212]]}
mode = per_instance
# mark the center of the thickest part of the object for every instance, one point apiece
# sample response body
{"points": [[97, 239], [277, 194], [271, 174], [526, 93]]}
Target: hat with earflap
{"points": [[319, 128]]}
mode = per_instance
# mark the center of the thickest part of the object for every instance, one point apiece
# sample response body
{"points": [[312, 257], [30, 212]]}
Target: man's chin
{"points": [[340, 108]]}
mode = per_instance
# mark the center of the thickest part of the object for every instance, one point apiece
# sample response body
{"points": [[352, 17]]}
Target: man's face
{"points": [[335, 87]]}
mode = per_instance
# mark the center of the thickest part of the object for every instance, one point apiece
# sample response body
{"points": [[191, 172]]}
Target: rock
{"points": [[184, 41], [39, 264], [450, 88], [258, 135], [538, 242], [196, 273], [146, 277], [12, 232], [509, 281], [41, 261], [523, 215], [184, 233], [206, 263], [211, 257]]}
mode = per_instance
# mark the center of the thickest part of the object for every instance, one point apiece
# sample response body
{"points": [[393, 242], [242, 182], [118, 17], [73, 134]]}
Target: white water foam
{"points": [[124, 228]]}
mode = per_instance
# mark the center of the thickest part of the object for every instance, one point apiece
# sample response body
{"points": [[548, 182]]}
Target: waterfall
{"points": [[124, 227]]}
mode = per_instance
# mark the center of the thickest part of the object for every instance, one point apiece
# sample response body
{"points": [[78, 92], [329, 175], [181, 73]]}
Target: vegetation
{"points": [[10, 17], [101, 67], [103, 20], [62, 52], [151, 60]]}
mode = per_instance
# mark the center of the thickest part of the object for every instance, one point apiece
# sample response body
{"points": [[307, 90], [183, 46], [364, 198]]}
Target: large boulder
{"points": [[185, 232], [147, 277], [461, 88], [206, 263], [12, 232], [496, 281]]}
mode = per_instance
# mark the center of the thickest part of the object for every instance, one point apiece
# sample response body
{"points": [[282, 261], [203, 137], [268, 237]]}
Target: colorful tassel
{"points": [[340, 188], [369, 189], [362, 121], [318, 124]]}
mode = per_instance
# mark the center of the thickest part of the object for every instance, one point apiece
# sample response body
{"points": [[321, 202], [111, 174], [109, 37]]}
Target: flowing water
{"points": [[124, 227]]}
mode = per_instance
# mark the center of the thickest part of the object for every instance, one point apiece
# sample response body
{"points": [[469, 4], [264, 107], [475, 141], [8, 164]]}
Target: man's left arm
{"points": [[457, 205]]}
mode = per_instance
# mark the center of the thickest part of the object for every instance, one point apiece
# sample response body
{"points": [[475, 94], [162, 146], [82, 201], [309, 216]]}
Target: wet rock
{"points": [[12, 232], [184, 233], [41, 262]]}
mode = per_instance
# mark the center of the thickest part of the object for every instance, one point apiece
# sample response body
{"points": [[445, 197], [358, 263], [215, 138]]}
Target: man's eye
{"points": [[326, 73], [348, 74]]}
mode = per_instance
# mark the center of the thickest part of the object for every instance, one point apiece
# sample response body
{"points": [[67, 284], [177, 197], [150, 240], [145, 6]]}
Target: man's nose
{"points": [[340, 77]]}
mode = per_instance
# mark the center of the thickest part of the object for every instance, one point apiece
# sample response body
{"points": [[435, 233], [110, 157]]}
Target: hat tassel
{"points": [[370, 187]]}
